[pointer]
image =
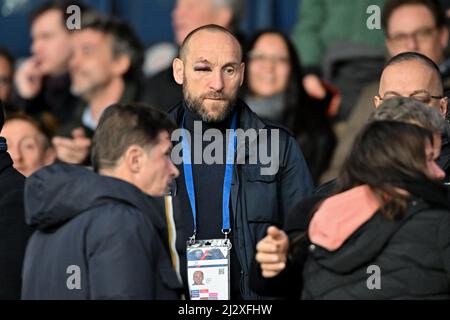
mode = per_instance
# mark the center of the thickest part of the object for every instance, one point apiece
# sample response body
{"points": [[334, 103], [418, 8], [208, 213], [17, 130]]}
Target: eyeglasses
{"points": [[260, 57], [421, 35], [423, 96]]}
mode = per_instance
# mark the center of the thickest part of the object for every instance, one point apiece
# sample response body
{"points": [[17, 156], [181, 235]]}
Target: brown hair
{"points": [[123, 125], [44, 125], [385, 155]]}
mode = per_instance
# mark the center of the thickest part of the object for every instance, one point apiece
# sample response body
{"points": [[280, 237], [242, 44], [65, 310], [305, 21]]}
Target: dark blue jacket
{"points": [[257, 201], [107, 228]]}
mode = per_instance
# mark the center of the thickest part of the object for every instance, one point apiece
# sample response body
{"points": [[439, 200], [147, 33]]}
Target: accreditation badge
{"points": [[208, 269]]}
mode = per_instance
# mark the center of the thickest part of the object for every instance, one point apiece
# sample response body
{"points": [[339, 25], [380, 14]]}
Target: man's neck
{"points": [[102, 99]]}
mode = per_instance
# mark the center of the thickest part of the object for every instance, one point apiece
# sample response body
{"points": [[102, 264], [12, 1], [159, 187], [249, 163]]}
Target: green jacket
{"points": [[323, 23]]}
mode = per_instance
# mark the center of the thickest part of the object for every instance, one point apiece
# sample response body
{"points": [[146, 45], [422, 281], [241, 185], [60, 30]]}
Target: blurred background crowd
{"points": [[311, 65]]}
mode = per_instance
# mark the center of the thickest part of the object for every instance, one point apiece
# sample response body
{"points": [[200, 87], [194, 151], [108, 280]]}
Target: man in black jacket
{"points": [[210, 69], [14, 233], [102, 236]]}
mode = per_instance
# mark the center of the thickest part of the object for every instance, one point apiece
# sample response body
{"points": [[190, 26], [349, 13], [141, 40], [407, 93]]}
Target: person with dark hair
{"points": [[273, 89], [407, 110], [14, 233], [99, 234], [29, 143], [105, 69], [219, 199], [161, 90], [395, 224], [6, 78], [42, 82]]}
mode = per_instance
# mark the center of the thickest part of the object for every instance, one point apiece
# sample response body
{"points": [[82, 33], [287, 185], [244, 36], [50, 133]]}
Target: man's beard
{"points": [[89, 90], [196, 105]]}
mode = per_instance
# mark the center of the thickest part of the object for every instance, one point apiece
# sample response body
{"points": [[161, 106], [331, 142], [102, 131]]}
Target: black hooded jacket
{"points": [[97, 238]]}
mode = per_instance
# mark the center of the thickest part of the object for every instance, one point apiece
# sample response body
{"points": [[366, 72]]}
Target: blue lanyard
{"points": [[189, 179]]}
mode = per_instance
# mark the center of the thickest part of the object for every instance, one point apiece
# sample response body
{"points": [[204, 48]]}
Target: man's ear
{"points": [[50, 156], [389, 47], [443, 106], [133, 158], [242, 71], [444, 37], [121, 65], [376, 101], [178, 70]]}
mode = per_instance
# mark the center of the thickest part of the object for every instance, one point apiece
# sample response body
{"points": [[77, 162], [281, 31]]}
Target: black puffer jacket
{"points": [[100, 230], [413, 256]]}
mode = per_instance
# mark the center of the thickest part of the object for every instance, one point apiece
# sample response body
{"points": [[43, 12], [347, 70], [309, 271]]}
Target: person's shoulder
{"points": [[118, 219]]}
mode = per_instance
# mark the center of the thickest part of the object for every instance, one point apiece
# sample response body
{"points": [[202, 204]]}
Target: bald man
{"points": [[161, 90], [408, 74], [210, 70], [411, 74]]}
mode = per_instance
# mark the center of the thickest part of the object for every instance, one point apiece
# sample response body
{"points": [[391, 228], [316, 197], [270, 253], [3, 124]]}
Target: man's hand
{"points": [[314, 87], [28, 79], [75, 150], [271, 252]]}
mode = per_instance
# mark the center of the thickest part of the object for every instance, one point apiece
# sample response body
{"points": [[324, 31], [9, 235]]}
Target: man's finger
{"points": [[274, 232], [267, 247], [268, 258], [276, 267], [78, 133]]}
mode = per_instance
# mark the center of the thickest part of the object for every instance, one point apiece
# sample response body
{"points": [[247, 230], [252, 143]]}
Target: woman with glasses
{"points": [[273, 89]]}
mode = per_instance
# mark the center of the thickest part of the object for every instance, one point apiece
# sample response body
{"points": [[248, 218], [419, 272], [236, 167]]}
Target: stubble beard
{"points": [[218, 111]]}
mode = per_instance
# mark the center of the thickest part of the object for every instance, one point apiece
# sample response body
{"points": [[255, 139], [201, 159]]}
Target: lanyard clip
{"points": [[192, 239], [226, 232]]}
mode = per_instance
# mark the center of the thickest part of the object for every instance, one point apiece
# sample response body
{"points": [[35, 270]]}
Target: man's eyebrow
{"points": [[232, 64], [202, 60], [419, 91], [392, 92]]}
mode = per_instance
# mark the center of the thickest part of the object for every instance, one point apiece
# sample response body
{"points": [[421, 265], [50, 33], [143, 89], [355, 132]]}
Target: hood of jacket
{"points": [[58, 193], [345, 241]]}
